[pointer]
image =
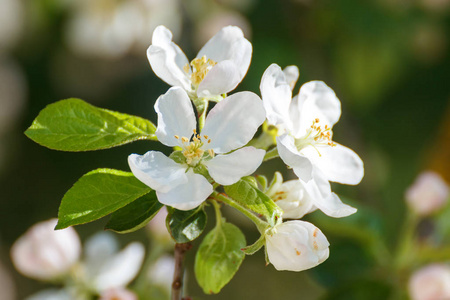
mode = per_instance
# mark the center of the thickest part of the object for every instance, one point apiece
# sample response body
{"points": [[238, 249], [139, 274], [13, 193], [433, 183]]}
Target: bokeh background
{"points": [[387, 60]]}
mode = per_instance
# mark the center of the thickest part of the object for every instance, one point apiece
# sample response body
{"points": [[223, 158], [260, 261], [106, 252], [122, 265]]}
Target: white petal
{"points": [[51, 294], [43, 253], [221, 79], [167, 59], [338, 163], [229, 44], [229, 168], [316, 100], [233, 122], [319, 191], [176, 117], [293, 199], [276, 95], [296, 246], [292, 73], [121, 268], [157, 171], [292, 158], [188, 195]]}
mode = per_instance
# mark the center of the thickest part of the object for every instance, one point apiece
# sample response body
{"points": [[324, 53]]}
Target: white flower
{"points": [[430, 283], [296, 246], [53, 294], [218, 68], [105, 267], [118, 294], [428, 194], [43, 253], [229, 125], [306, 145], [161, 272], [292, 198]]}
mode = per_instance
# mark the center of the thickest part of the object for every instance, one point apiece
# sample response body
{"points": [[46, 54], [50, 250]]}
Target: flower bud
{"points": [[296, 246], [43, 253], [430, 283], [158, 229], [118, 294], [428, 194], [292, 198]]}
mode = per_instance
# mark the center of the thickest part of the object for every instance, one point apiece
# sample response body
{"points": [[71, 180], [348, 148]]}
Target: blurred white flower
{"points": [[105, 267], [111, 28], [118, 294], [53, 294], [430, 283], [296, 246], [161, 272], [11, 22], [7, 287], [428, 193], [43, 253]]}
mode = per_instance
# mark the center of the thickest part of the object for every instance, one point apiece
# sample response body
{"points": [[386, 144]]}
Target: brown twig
{"points": [[177, 285]]}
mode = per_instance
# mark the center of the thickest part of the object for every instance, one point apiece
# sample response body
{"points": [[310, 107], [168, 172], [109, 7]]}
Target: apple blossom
{"points": [[292, 198], [228, 126], [218, 68], [105, 267], [43, 253], [428, 194], [296, 246], [430, 283], [118, 294], [305, 143]]}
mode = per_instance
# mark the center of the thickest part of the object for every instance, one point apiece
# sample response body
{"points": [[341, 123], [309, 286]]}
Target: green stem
{"points": [[263, 141], [218, 213], [271, 154], [260, 224]]}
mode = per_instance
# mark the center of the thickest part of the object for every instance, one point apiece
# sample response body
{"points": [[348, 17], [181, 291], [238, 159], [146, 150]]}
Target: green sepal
{"points": [[186, 226], [253, 248], [178, 157], [75, 125], [97, 194], [135, 215], [262, 181], [219, 257], [246, 194]]}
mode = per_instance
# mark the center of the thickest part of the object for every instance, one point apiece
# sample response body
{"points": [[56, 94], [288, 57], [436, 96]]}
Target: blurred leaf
{"points": [[246, 194], [186, 226], [97, 194], [360, 290], [135, 215], [219, 257], [74, 125]]}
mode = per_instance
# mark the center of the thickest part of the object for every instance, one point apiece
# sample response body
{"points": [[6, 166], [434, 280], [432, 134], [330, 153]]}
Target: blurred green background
{"points": [[387, 60]]}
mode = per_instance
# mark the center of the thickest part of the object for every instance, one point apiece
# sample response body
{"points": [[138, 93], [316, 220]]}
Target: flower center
{"points": [[192, 149], [200, 67], [316, 136]]}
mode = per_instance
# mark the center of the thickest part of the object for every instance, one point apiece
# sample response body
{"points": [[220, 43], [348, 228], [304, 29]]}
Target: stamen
{"points": [[177, 137]]}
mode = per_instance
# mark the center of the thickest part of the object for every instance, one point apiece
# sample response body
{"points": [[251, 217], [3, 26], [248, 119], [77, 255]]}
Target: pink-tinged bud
{"points": [[118, 294], [43, 253], [158, 229], [428, 194], [430, 283]]}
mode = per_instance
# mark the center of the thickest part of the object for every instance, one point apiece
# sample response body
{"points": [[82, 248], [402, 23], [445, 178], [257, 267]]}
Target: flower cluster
{"points": [[217, 147]]}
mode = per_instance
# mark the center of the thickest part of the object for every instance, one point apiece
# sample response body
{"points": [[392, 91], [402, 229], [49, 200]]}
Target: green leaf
{"points": [[74, 125], [135, 215], [97, 194], [252, 198], [219, 257], [186, 226]]}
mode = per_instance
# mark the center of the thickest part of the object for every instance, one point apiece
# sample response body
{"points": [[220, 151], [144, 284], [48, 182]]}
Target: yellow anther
{"points": [[200, 67], [317, 120], [184, 139], [177, 137], [206, 137], [209, 141]]}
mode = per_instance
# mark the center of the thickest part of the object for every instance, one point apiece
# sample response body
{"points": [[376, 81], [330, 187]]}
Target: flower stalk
{"points": [[178, 273]]}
